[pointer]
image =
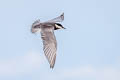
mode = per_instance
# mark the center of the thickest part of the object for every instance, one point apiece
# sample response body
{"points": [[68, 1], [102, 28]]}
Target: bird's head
{"points": [[35, 26], [59, 26]]}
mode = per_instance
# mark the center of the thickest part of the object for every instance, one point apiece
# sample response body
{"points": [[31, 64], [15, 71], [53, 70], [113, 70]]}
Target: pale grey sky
{"points": [[89, 49]]}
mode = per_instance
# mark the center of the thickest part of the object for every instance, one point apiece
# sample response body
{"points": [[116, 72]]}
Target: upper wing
{"points": [[50, 45], [57, 19]]}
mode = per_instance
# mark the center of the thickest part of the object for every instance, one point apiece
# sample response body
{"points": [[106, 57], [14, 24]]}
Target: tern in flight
{"points": [[47, 34]]}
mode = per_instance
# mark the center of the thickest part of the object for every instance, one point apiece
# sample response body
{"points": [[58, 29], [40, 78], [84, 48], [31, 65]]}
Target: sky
{"points": [[89, 49]]}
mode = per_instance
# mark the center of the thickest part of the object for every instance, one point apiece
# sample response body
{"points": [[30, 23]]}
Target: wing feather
{"points": [[57, 19], [50, 45]]}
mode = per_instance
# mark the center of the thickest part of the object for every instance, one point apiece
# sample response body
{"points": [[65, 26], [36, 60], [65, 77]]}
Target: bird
{"points": [[46, 29]]}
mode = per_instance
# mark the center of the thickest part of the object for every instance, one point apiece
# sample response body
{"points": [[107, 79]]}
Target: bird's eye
{"points": [[37, 26]]}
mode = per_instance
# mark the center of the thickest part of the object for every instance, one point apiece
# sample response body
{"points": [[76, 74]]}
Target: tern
{"points": [[46, 29]]}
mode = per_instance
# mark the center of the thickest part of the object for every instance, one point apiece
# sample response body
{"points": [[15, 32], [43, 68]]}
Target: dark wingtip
{"points": [[62, 16], [51, 67]]}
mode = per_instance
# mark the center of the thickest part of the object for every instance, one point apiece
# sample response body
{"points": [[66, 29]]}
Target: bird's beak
{"points": [[64, 28]]}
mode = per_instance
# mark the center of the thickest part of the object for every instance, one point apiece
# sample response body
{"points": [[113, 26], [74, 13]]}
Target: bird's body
{"points": [[47, 34]]}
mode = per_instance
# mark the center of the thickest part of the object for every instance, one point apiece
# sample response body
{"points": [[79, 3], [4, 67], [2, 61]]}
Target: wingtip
{"points": [[62, 16], [51, 67]]}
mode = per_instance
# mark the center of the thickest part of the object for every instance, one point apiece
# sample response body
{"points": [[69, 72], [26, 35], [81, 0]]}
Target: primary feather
{"points": [[47, 34], [50, 44]]}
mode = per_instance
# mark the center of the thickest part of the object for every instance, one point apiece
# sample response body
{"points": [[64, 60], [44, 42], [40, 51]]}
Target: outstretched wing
{"points": [[50, 44], [57, 19]]}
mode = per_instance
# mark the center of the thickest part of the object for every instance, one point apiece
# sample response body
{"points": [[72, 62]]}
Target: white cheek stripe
{"points": [[59, 27]]}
